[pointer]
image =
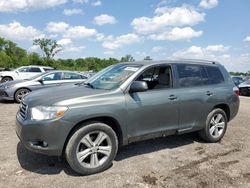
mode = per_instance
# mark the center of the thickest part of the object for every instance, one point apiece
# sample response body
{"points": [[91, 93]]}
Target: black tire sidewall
{"points": [[15, 96], [71, 147], [209, 117]]}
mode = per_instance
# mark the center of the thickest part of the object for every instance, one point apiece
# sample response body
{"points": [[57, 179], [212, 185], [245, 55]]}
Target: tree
{"points": [[148, 58], [49, 47], [127, 58]]}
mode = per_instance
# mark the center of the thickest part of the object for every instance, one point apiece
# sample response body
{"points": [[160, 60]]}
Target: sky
{"points": [[162, 29]]}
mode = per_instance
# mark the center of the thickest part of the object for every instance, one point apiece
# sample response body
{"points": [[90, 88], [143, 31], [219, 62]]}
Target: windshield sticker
{"points": [[131, 69]]}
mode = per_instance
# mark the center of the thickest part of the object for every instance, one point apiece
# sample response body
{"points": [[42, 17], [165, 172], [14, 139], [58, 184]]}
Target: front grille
{"points": [[23, 111]]}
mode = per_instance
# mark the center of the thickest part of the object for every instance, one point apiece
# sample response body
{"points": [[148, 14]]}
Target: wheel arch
{"points": [[225, 108], [110, 121]]}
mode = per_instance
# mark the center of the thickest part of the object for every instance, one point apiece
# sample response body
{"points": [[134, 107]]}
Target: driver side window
{"points": [[158, 77]]}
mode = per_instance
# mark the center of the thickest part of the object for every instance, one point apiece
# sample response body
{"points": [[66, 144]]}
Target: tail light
{"points": [[236, 91]]}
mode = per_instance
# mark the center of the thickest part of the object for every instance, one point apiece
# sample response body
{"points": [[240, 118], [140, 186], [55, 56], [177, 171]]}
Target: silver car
{"points": [[16, 90]]}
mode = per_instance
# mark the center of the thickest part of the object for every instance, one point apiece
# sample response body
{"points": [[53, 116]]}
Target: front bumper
{"points": [[45, 137], [4, 95]]}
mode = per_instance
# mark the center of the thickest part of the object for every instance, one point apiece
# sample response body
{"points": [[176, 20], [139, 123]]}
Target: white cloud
{"points": [[73, 48], [104, 19], [217, 48], [81, 1], [177, 33], [97, 3], [20, 5], [113, 43], [165, 16], [16, 31], [65, 42], [57, 27], [207, 4], [73, 32], [70, 12], [80, 32], [157, 49], [247, 39], [209, 52]]}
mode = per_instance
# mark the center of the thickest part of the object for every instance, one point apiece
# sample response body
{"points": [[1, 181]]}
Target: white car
{"points": [[22, 73]]}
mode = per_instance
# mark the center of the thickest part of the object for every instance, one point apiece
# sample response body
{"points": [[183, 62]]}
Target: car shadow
{"points": [[149, 146], [7, 102], [47, 165]]}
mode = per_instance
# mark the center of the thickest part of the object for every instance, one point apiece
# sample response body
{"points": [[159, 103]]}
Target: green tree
{"points": [[127, 58], [49, 48]]}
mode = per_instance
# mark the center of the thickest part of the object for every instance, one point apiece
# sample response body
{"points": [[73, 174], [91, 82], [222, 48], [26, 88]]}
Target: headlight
{"points": [[47, 112]]}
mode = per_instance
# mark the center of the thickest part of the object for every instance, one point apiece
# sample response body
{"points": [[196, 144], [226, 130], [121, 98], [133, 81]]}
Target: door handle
{"points": [[209, 93], [172, 97]]}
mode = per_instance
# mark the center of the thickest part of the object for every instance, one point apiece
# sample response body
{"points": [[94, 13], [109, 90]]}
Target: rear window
{"points": [[214, 74], [35, 69], [192, 75]]}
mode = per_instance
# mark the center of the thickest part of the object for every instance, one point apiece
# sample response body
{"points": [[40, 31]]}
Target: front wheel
{"points": [[92, 148], [20, 94], [216, 126], [6, 79]]}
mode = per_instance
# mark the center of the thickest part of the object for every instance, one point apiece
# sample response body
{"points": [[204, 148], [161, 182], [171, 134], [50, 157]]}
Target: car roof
{"points": [[175, 61]]}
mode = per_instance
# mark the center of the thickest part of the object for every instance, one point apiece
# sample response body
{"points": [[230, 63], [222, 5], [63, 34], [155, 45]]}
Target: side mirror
{"points": [[40, 80], [138, 86]]}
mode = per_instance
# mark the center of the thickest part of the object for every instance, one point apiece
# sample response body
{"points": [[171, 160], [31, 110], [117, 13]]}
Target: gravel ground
{"points": [[176, 161]]}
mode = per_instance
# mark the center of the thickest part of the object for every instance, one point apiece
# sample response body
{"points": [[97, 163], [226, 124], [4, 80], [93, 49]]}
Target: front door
{"points": [[156, 110]]}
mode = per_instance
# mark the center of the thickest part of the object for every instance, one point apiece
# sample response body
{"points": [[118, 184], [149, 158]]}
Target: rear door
{"points": [[194, 94]]}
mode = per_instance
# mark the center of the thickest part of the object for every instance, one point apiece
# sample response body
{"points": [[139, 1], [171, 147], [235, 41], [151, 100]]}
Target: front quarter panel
{"points": [[101, 105]]}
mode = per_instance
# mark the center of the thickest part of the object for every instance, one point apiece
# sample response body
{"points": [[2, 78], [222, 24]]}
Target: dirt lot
{"points": [[176, 161]]}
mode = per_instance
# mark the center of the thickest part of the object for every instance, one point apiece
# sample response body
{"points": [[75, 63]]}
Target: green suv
{"points": [[125, 103]]}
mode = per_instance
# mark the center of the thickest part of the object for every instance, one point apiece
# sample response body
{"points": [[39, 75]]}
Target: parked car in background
{"points": [[245, 88], [22, 73], [125, 103], [237, 80], [16, 90], [4, 69]]}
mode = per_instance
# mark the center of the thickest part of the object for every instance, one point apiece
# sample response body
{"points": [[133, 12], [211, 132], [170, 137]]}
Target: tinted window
{"points": [[192, 75], [52, 76], [47, 69], [157, 77], [35, 69], [214, 74], [71, 76], [24, 69]]}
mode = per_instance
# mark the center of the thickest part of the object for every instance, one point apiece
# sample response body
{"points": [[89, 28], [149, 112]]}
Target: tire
{"points": [[215, 128], [20, 93], [82, 154], [6, 79]]}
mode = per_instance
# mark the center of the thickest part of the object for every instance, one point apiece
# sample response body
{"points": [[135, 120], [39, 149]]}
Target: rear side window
{"points": [[214, 74], [71, 76], [192, 75], [35, 69]]}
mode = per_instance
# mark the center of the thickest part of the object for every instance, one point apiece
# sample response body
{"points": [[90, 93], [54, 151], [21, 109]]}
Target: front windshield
{"points": [[113, 76]]}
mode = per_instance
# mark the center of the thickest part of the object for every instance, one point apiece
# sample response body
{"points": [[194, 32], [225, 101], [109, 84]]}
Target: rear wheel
{"points": [[20, 94], [7, 79], [91, 148], [216, 126]]}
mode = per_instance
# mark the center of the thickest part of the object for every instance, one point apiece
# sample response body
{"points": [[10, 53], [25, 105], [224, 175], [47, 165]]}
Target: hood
{"points": [[11, 83], [64, 95]]}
